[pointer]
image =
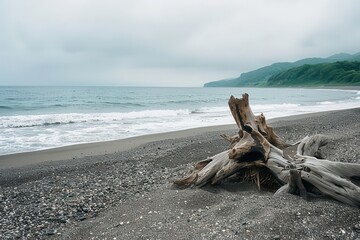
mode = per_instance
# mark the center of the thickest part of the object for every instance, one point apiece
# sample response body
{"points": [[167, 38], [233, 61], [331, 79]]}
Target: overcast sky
{"points": [[165, 42]]}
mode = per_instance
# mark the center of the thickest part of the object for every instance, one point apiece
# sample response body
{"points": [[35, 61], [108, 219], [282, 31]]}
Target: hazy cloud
{"points": [[165, 43]]}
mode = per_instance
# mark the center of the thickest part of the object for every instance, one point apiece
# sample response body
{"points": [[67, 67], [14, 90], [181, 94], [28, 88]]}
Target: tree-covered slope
{"points": [[325, 74], [259, 77]]}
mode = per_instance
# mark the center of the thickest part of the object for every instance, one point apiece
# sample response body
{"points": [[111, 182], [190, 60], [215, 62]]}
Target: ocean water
{"points": [[36, 118]]}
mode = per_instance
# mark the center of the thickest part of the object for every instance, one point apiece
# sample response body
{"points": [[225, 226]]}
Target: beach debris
{"points": [[259, 155]]}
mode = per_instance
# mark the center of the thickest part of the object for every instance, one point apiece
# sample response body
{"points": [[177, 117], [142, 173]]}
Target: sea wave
{"points": [[34, 132], [273, 107], [210, 110], [124, 104], [192, 101], [5, 107], [71, 118], [326, 103], [40, 119]]}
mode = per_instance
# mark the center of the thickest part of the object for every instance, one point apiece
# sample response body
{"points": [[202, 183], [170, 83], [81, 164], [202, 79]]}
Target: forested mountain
{"points": [[331, 74], [259, 77]]}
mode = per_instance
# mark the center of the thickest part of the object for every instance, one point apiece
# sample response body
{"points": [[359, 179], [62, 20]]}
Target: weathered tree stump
{"points": [[259, 154]]}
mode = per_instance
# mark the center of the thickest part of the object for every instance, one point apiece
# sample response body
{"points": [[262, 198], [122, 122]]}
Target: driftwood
{"points": [[257, 153]]}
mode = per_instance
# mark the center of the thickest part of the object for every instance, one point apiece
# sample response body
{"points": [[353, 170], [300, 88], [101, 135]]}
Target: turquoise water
{"points": [[34, 118]]}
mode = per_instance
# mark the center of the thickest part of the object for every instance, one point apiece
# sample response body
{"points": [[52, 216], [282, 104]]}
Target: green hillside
{"points": [[259, 77], [325, 74]]}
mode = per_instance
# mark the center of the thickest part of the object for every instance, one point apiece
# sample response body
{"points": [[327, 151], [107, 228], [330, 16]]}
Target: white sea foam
{"points": [[326, 103], [33, 132], [210, 110], [71, 118]]}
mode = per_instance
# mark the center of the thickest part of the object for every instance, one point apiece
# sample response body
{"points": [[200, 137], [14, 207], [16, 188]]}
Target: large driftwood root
{"points": [[258, 154]]}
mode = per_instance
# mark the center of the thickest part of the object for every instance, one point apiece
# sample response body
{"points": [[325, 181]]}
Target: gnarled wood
{"points": [[295, 166], [205, 170], [332, 179], [268, 132]]}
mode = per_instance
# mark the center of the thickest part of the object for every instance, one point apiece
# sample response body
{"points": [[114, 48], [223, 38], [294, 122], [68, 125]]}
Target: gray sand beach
{"points": [[123, 189]]}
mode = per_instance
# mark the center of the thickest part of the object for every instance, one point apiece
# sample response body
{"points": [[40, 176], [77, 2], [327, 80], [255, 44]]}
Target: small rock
{"points": [[276, 237], [357, 227], [48, 232], [81, 217]]}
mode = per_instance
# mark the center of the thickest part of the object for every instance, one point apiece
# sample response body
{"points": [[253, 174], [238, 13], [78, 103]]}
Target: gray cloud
{"points": [[167, 43]]}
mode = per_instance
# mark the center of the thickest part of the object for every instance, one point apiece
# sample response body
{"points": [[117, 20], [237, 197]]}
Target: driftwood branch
{"points": [[259, 154]]}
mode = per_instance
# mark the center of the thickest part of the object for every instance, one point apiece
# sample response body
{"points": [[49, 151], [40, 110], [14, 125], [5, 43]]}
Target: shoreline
{"points": [[30, 133], [129, 194], [76, 151], [98, 148]]}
